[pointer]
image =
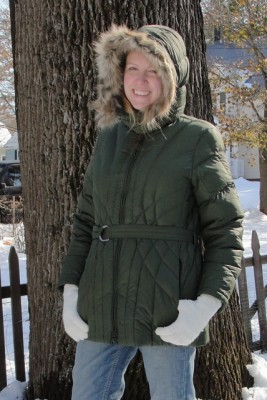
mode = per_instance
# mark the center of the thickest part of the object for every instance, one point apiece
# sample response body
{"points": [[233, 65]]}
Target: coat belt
{"points": [[106, 232]]}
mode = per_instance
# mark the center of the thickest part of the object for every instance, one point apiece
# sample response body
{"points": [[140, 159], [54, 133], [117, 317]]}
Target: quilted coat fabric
{"points": [[158, 219]]}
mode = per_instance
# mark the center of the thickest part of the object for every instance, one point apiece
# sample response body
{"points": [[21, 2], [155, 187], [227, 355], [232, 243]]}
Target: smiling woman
{"points": [[157, 189], [142, 85]]}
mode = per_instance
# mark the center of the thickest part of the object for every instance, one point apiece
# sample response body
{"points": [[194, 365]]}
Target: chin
{"points": [[139, 107]]}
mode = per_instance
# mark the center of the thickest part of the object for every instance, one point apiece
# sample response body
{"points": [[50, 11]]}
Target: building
{"points": [[9, 147], [12, 148], [225, 58], [5, 136]]}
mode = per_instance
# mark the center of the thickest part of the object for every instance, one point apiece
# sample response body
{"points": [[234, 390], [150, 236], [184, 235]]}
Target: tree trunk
{"points": [[55, 82], [263, 158], [263, 185]]}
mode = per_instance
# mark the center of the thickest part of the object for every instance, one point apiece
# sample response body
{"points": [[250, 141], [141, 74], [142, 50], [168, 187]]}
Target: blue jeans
{"points": [[98, 373]]}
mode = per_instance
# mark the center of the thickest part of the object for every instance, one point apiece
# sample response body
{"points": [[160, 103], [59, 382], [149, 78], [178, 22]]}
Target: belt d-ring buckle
{"points": [[101, 233]]}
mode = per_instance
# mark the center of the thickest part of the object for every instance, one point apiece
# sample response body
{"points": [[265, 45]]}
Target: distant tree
{"points": [[7, 90], [244, 23], [55, 82]]}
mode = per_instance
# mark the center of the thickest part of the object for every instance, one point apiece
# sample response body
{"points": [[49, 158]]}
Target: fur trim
{"points": [[111, 51]]}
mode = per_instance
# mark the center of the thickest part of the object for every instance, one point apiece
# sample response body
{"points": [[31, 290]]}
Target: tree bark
{"points": [[55, 83], [263, 175], [263, 158]]}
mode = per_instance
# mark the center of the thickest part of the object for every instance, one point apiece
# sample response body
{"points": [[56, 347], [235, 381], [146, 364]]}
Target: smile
{"points": [[141, 93]]}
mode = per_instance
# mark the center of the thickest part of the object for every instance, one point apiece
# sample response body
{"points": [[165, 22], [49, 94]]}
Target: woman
{"points": [[156, 242]]}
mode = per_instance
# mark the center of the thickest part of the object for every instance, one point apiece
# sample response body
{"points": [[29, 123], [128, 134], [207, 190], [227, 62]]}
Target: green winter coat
{"points": [[150, 205]]}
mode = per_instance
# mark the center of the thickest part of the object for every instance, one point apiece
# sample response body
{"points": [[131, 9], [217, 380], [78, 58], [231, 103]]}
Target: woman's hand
{"points": [[74, 326], [193, 317]]}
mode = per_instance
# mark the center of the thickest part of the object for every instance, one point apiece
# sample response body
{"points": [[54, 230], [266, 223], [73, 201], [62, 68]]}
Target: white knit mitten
{"points": [[193, 317], [74, 326]]}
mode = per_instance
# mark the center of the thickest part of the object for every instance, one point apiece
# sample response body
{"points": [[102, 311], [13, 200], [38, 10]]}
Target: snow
{"points": [[254, 220], [14, 391]]}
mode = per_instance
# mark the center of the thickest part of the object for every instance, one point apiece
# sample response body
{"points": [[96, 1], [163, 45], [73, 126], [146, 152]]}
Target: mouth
{"points": [[141, 93]]}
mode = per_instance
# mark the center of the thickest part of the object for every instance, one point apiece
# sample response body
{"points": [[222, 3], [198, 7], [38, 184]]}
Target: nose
{"points": [[142, 76]]}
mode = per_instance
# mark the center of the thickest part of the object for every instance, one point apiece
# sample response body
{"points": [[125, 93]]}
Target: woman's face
{"points": [[142, 85]]}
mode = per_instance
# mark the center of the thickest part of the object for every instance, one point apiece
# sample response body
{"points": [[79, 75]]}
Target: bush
{"points": [[7, 212]]}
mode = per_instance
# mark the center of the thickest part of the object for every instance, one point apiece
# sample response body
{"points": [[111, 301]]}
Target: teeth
{"points": [[140, 93]]}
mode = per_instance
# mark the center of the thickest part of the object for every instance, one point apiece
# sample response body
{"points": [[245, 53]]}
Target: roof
{"points": [[227, 53], [12, 143], [5, 135]]}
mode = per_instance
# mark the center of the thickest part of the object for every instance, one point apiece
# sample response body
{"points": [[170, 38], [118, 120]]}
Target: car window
{"points": [[13, 176]]}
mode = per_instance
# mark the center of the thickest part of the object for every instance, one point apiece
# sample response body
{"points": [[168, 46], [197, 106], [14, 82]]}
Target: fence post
{"points": [[244, 302], [3, 378], [260, 289], [16, 314]]}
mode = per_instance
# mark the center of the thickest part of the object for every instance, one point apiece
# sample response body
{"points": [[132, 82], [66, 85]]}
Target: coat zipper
{"points": [[118, 249]]}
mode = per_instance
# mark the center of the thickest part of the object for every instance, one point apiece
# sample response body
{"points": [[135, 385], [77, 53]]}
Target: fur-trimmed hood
{"points": [[164, 48]]}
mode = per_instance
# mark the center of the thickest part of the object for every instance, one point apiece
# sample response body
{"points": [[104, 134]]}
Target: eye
{"points": [[131, 68], [153, 71]]}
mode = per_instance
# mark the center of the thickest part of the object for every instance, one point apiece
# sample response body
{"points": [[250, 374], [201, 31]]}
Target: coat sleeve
{"points": [[220, 216], [81, 237]]}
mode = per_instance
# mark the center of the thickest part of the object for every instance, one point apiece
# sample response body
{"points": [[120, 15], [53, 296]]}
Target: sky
{"points": [[254, 220]]}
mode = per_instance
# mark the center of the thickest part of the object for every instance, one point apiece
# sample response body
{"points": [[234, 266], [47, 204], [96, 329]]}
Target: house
{"points": [[12, 148], [9, 148], [5, 136], [243, 160]]}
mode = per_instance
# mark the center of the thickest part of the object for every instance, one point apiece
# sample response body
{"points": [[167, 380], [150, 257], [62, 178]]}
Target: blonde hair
{"points": [[112, 50]]}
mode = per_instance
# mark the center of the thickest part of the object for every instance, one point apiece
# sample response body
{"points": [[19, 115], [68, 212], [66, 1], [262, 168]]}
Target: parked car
{"points": [[10, 178]]}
